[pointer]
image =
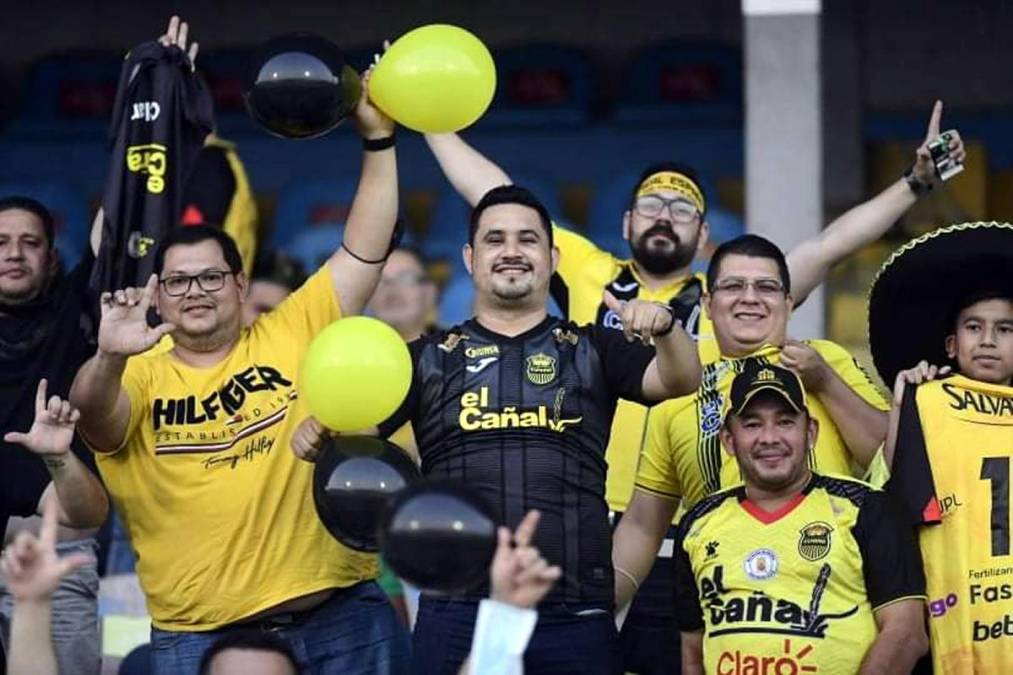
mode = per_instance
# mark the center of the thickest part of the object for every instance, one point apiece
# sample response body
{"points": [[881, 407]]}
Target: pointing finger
{"points": [[937, 114]]}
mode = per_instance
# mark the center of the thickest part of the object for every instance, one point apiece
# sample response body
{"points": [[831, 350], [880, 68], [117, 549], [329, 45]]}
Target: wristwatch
{"points": [[917, 187]]}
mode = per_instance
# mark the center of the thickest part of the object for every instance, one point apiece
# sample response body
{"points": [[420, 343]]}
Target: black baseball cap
{"points": [[758, 377]]}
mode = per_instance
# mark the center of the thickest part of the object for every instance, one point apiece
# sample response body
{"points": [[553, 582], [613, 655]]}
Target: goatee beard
{"points": [[662, 262]]}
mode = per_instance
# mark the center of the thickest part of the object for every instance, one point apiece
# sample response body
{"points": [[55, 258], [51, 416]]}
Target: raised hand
{"points": [[53, 428], [176, 34], [807, 363], [30, 564], [641, 320], [519, 575], [371, 122], [124, 329], [924, 169], [923, 372]]}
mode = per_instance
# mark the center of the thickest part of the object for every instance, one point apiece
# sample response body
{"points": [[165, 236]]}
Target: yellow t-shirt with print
{"points": [[218, 508], [585, 272], [683, 457]]}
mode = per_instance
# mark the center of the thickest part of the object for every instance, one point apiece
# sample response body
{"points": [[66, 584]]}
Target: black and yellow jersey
{"points": [[585, 272], [525, 420], [683, 457], [794, 591], [952, 471]]}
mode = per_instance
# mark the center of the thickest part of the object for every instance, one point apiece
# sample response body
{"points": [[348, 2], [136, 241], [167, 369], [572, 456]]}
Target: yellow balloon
{"points": [[356, 373], [434, 79]]}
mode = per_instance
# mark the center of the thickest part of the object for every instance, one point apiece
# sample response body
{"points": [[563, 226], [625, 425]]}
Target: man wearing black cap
{"points": [[793, 571], [951, 437]]}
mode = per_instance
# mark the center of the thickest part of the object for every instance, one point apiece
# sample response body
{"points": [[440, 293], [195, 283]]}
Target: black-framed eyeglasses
{"points": [[652, 206], [209, 281], [738, 286]]}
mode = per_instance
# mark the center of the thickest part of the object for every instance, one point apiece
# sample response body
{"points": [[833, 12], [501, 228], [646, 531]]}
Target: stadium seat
{"points": [[677, 82], [540, 84], [310, 204], [70, 213]]}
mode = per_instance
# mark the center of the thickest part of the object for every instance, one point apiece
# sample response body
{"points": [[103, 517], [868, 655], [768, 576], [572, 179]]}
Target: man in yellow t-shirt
{"points": [[666, 226], [951, 440], [749, 303], [794, 571], [193, 444]]}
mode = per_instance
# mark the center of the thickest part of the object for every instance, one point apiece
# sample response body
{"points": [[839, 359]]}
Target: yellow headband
{"points": [[676, 182]]}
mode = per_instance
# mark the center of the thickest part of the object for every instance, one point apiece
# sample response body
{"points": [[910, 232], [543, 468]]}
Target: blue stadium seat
{"points": [[69, 94], [542, 84], [448, 228], [310, 204], [226, 72], [70, 213], [312, 247], [676, 82]]}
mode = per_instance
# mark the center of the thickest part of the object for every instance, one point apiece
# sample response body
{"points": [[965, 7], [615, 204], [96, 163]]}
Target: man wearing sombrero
{"points": [[951, 436]]}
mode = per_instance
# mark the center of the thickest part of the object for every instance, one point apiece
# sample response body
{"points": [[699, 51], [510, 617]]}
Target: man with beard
{"points": [[519, 404], [666, 226]]}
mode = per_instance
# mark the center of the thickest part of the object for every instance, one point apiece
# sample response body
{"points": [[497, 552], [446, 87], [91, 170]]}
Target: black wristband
{"points": [[916, 186], [377, 144], [671, 326]]}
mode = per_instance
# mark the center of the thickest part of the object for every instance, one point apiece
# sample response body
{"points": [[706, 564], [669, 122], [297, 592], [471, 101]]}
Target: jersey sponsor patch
{"points": [[481, 364], [761, 564]]}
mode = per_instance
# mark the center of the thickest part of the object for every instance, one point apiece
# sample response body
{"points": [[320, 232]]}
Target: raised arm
{"points": [[636, 541], [470, 172], [97, 390], [355, 266], [811, 261]]}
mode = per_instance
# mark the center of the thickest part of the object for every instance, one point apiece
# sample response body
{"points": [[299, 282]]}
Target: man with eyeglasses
{"points": [[663, 242], [405, 298], [192, 444], [749, 303]]}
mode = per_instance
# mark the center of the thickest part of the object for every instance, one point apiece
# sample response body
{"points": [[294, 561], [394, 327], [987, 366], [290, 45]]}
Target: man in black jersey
{"points": [[519, 404]]}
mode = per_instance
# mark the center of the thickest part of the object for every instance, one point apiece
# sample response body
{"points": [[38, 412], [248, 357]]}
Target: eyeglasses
{"points": [[209, 281], [406, 278], [738, 286], [652, 206]]}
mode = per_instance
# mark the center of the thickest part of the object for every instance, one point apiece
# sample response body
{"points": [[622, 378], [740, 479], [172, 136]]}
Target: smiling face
{"points": [[511, 261], [771, 442], [982, 343], [27, 262], [748, 304], [205, 316]]}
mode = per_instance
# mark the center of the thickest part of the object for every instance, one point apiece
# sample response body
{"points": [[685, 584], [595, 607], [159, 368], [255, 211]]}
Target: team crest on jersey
{"points": [[710, 417], [540, 368], [761, 564], [814, 541]]}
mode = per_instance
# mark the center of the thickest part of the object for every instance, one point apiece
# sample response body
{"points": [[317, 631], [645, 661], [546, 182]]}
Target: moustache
{"points": [[660, 229]]}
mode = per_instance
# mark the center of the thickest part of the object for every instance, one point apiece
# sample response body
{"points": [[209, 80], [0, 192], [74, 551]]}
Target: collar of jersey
{"points": [[667, 291], [765, 351], [768, 517], [477, 327], [978, 385]]}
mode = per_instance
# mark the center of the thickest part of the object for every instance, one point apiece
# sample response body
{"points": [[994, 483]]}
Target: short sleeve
{"points": [[687, 596], [406, 412], [891, 560], [579, 256], [656, 471], [136, 383], [304, 313], [624, 364], [852, 372]]}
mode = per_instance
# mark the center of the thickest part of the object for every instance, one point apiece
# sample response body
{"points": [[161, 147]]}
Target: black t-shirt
{"points": [[49, 338], [525, 421]]}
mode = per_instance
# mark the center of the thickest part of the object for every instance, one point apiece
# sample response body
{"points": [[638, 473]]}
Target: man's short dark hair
{"points": [[509, 194], [195, 234], [280, 268], [675, 167], [973, 298], [254, 640], [753, 246], [37, 209]]}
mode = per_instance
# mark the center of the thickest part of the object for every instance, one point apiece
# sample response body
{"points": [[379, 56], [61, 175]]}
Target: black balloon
{"points": [[301, 86], [440, 537], [354, 479]]}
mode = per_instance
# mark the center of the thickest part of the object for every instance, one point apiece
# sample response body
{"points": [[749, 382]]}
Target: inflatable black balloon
{"points": [[440, 537], [300, 86], [354, 479]]}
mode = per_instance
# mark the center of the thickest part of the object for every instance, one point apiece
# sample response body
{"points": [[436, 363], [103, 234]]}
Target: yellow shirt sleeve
{"points": [[656, 471], [845, 365], [304, 313], [135, 382], [579, 256]]}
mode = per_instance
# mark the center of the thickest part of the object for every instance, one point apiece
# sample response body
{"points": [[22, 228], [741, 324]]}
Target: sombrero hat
{"points": [[914, 296]]}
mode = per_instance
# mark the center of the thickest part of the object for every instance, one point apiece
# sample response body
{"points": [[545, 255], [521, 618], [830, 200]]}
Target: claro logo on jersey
{"points": [[789, 662], [475, 415], [979, 402], [227, 400], [149, 159], [760, 613]]}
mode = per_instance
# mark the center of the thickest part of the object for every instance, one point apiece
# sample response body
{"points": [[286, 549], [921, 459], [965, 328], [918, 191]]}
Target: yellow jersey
{"points": [[683, 457], [218, 508], [952, 471], [585, 272], [794, 591]]}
